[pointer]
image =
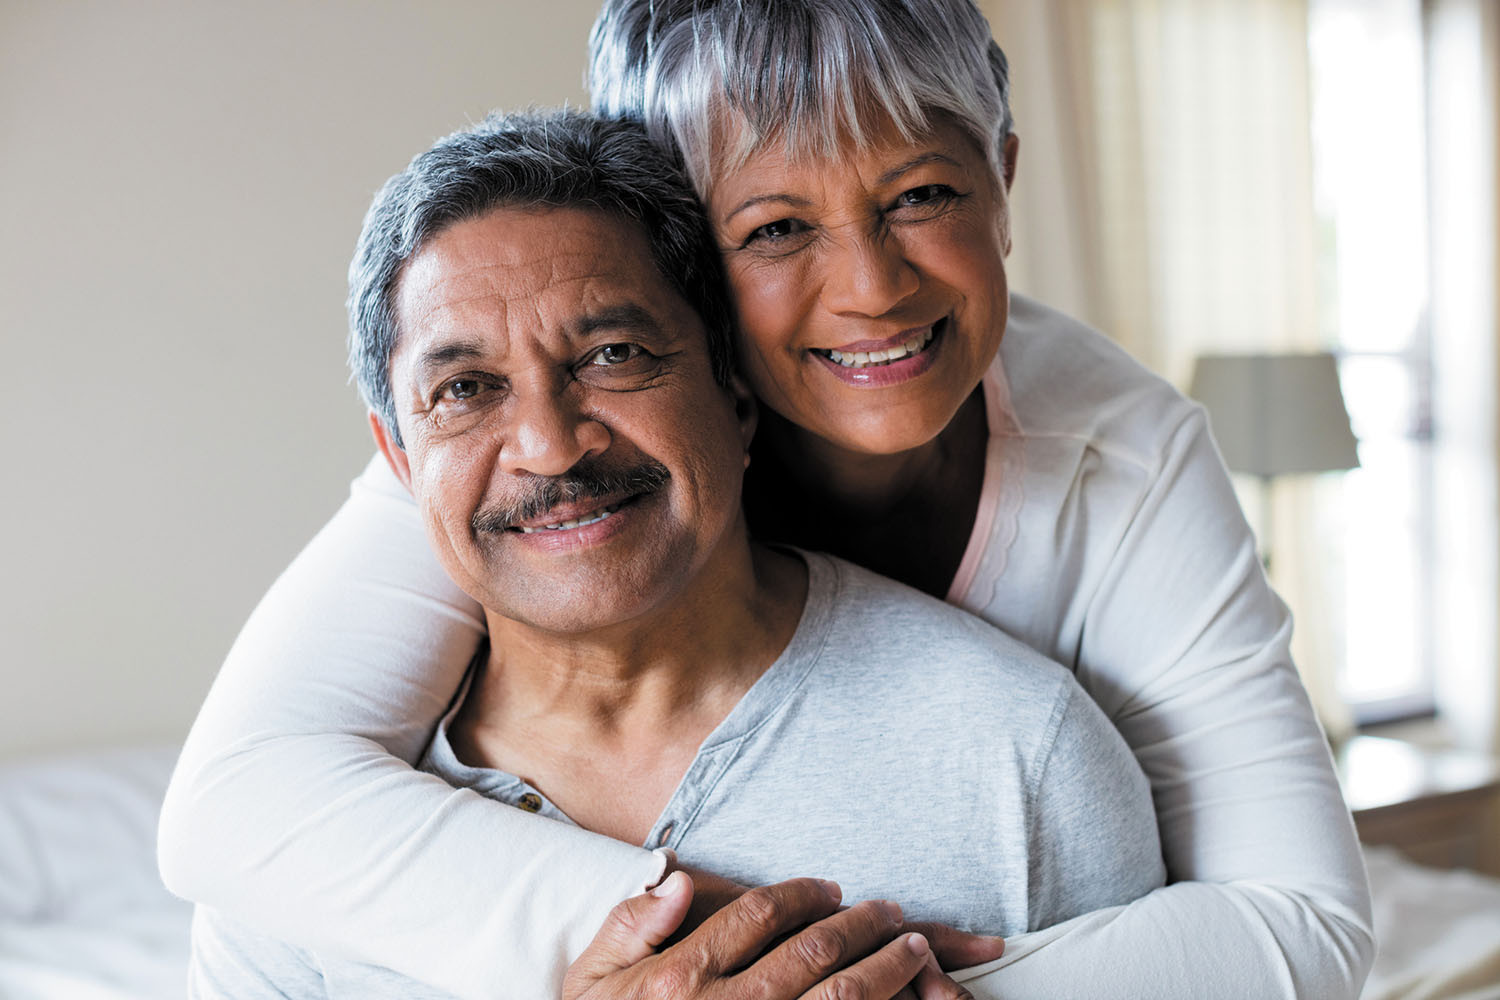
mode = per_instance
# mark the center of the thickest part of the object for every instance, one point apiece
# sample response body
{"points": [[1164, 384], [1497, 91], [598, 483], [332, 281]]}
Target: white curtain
{"points": [[1165, 195]]}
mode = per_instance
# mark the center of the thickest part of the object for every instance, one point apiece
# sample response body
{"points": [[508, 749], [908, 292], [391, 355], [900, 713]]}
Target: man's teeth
{"points": [[872, 359], [565, 525]]}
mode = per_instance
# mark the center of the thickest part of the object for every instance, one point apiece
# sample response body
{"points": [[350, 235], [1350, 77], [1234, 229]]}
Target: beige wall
{"points": [[181, 184]]}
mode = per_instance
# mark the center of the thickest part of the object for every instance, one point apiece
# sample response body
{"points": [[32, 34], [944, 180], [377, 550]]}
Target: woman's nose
{"points": [[546, 434], [869, 275]]}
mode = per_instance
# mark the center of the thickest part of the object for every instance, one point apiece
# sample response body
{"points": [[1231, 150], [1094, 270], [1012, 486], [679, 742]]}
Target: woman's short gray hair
{"points": [[557, 159], [813, 74]]}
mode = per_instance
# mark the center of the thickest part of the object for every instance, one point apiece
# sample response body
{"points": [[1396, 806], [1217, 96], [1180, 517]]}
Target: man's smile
{"points": [[582, 521], [585, 495]]}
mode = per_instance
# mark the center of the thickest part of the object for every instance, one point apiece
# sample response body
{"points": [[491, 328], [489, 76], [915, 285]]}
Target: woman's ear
{"points": [[395, 455]]}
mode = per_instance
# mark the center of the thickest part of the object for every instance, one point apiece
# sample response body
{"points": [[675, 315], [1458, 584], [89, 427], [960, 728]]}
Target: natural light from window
{"points": [[1369, 147]]}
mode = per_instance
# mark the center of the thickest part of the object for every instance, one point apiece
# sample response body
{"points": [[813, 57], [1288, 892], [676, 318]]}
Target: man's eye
{"points": [[461, 388], [615, 354]]}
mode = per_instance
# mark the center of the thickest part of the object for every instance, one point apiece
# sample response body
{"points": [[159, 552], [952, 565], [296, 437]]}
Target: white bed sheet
{"points": [[1438, 932], [139, 955], [83, 914]]}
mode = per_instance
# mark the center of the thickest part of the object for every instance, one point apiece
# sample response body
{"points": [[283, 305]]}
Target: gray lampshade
{"points": [[1276, 414]]}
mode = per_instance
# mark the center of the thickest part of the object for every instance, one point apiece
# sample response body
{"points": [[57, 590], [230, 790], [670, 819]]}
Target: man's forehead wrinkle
{"points": [[501, 294], [433, 286], [439, 306], [518, 278]]}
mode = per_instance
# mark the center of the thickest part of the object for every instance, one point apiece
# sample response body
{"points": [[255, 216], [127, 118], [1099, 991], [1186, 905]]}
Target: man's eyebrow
{"points": [[443, 355], [627, 317]]}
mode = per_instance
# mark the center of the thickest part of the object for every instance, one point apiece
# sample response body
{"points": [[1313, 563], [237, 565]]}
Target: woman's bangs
{"points": [[815, 80]]}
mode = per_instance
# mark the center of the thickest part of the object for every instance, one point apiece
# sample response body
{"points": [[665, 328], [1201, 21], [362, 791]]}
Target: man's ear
{"points": [[394, 455], [746, 411], [1011, 153]]}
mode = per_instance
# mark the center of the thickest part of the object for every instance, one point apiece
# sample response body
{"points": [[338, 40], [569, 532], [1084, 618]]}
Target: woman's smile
{"points": [[883, 363]]}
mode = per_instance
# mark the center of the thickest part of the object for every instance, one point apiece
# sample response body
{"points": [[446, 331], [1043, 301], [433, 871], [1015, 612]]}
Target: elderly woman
{"points": [[855, 158]]}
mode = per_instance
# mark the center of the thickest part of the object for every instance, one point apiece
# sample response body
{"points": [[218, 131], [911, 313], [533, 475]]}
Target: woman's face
{"points": [[870, 290]]}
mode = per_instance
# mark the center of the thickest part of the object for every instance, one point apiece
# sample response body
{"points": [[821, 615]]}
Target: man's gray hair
{"points": [[811, 73], [557, 159]]}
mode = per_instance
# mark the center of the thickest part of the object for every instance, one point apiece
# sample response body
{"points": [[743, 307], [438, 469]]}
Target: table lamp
{"points": [[1275, 415]]}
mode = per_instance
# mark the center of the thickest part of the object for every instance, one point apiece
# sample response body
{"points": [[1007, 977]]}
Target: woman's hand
{"points": [[820, 952]]}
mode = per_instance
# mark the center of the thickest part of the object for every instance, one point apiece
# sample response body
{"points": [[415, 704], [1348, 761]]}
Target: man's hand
{"points": [[711, 893], [954, 949], [818, 952]]}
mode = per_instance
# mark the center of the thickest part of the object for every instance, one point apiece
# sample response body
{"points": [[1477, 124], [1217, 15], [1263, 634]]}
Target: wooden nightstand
{"points": [[1438, 807]]}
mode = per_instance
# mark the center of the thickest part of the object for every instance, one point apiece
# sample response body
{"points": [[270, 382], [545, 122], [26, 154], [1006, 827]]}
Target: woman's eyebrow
{"points": [[890, 175], [761, 199], [916, 161]]}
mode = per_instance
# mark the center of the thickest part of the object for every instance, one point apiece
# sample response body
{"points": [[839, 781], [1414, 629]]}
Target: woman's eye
{"points": [[778, 230], [615, 354], [927, 194]]}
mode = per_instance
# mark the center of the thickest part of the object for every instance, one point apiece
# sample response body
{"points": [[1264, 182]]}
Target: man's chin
{"points": [[571, 621], [574, 594]]}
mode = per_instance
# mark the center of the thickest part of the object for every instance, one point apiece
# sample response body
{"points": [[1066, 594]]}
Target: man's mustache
{"points": [[536, 495]]}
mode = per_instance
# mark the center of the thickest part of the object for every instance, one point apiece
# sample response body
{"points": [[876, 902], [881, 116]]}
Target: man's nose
{"points": [[869, 274], [547, 433]]}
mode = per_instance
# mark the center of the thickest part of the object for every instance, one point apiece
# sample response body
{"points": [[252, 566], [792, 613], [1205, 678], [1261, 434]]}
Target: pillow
{"points": [[78, 834]]}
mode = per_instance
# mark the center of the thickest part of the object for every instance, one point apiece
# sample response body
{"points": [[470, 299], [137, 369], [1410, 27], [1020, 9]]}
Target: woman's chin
{"points": [[882, 434]]}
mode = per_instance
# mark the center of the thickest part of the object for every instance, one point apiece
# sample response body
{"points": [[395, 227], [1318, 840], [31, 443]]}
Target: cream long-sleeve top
{"points": [[1108, 538]]}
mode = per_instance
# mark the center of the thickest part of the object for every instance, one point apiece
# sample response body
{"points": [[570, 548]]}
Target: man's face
{"points": [[575, 463]]}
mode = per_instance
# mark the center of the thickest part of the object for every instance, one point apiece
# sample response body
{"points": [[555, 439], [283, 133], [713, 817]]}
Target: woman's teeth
{"points": [[873, 359], [565, 525]]}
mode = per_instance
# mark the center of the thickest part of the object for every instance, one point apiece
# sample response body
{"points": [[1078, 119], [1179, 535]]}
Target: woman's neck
{"points": [[907, 515]]}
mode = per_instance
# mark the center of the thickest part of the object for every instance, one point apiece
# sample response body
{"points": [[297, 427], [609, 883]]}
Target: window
{"points": [[1368, 90]]}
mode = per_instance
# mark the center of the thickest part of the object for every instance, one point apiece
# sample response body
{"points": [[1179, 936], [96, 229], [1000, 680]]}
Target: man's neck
{"points": [[627, 708]]}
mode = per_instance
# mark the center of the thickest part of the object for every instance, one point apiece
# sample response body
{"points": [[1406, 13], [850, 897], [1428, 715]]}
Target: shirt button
{"points": [[531, 802]]}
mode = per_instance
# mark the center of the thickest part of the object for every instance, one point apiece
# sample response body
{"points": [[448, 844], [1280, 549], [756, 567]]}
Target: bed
{"points": [[83, 915]]}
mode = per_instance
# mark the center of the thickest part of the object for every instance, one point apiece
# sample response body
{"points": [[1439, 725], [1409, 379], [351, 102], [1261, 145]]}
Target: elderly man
{"points": [[542, 336]]}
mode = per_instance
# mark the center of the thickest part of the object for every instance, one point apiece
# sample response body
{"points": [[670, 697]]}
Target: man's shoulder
{"points": [[897, 633]]}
